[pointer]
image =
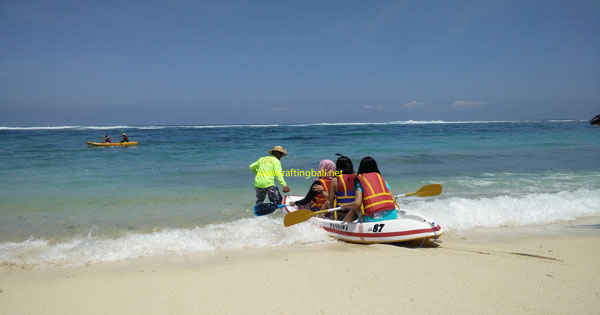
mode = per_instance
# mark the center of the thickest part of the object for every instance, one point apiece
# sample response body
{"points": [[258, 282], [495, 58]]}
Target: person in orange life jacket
{"points": [[372, 195], [107, 139], [124, 138], [319, 190], [341, 186]]}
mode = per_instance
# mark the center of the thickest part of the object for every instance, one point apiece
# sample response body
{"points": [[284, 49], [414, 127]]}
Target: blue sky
{"points": [[214, 62]]}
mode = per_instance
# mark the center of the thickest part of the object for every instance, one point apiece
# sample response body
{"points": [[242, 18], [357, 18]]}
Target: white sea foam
{"points": [[38, 128], [460, 213], [407, 122], [257, 232], [229, 126], [454, 213], [429, 122], [78, 127]]}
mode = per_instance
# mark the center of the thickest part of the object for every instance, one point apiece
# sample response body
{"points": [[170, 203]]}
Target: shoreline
{"points": [[550, 269]]}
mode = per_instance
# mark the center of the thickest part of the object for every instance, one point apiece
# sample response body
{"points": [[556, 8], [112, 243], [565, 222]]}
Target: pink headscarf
{"points": [[326, 167]]}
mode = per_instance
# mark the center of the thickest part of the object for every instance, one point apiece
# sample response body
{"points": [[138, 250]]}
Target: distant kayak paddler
{"points": [[595, 120], [124, 138], [266, 169], [107, 139]]}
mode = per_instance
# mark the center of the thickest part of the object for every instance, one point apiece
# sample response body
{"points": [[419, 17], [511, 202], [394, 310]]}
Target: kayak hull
{"points": [[114, 144], [408, 227]]}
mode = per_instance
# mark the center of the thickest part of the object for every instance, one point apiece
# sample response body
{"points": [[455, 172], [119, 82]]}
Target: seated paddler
{"points": [[319, 190], [341, 187], [373, 199]]}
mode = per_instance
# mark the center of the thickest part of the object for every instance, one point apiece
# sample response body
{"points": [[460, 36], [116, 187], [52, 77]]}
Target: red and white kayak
{"points": [[408, 227]]}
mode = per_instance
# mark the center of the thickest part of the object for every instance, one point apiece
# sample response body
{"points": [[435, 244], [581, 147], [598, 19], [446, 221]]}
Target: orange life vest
{"points": [[345, 189], [319, 199], [376, 196]]}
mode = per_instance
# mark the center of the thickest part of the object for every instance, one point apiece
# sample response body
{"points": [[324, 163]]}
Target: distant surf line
{"points": [[406, 122]]}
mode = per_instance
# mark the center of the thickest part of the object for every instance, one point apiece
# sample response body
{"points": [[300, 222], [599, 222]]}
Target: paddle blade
{"points": [[264, 208], [429, 190], [297, 216]]}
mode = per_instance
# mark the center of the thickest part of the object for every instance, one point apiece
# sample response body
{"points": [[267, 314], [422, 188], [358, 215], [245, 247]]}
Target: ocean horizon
{"points": [[230, 125]]}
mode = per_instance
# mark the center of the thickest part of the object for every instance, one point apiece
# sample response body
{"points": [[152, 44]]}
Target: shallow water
{"points": [[188, 189]]}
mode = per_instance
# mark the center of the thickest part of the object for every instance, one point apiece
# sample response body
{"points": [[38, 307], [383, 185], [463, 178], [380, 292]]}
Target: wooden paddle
{"points": [[302, 215], [425, 191]]}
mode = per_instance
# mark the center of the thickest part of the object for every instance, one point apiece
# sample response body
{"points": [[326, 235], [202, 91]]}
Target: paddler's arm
{"points": [[354, 207], [357, 201], [392, 194], [329, 203], [279, 176], [309, 196], [319, 189], [254, 167]]}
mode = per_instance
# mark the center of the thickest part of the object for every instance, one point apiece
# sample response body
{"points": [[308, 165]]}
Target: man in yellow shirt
{"points": [[266, 169]]}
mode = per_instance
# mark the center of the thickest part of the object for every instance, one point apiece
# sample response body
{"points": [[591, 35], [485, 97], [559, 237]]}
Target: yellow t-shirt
{"points": [[266, 169]]}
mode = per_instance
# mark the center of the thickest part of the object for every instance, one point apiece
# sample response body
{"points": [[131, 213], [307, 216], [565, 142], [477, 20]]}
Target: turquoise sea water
{"points": [[187, 189]]}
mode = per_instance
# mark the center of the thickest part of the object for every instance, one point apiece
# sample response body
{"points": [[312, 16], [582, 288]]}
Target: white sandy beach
{"points": [[554, 270]]}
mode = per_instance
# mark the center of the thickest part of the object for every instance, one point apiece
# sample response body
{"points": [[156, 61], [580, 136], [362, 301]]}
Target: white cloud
{"points": [[466, 104], [375, 107], [393, 108], [413, 104]]}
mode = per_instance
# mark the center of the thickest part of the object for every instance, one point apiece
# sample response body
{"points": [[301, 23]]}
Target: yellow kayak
{"points": [[114, 144]]}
